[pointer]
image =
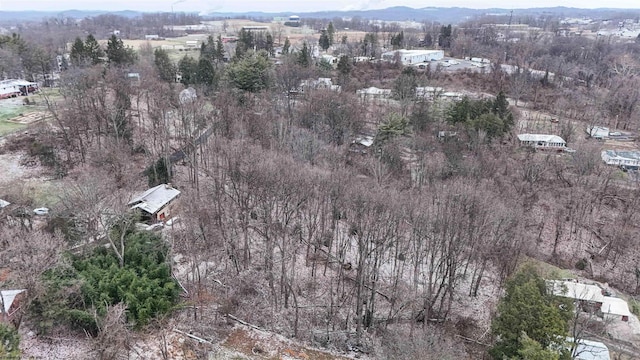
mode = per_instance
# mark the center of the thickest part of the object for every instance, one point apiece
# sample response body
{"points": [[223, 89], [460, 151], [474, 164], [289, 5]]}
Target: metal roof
{"points": [[4, 203], [618, 155], [590, 350], [615, 306], [541, 137], [155, 198], [575, 290]]}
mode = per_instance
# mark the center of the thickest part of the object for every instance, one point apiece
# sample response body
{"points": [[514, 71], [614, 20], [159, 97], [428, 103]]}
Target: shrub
{"points": [[88, 286], [582, 264], [9, 343]]}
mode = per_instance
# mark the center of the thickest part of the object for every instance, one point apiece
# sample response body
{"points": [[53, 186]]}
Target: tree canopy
{"points": [[528, 309], [251, 73]]}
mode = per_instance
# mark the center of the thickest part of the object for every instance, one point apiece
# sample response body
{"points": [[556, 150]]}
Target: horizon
{"points": [[289, 6]]}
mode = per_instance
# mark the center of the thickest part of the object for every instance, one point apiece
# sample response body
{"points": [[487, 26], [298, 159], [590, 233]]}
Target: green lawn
{"points": [[547, 270], [8, 112]]}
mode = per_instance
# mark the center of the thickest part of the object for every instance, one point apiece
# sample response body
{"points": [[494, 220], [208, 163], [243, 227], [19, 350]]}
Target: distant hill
{"points": [[13, 16], [397, 13], [440, 14]]}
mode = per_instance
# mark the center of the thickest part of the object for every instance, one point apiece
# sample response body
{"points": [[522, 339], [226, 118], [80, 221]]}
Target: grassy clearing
{"points": [[547, 270], [7, 112]]}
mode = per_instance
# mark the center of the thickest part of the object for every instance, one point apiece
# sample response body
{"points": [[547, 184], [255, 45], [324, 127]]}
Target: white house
{"points": [[155, 201], [321, 83], [192, 43], [626, 159], [428, 91], [408, 57], [330, 59], [576, 290], [374, 93], [543, 142]]}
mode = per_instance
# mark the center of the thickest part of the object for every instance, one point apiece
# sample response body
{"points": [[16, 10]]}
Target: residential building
{"points": [[408, 57], [542, 141], [624, 158], [155, 202]]}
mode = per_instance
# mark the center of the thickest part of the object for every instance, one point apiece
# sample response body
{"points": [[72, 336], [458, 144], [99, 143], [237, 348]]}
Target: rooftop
{"points": [[615, 306], [575, 290], [7, 297], [155, 198], [621, 155], [590, 350], [541, 137]]}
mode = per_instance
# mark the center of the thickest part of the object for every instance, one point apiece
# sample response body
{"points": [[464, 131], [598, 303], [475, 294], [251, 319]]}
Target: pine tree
{"points": [[188, 68], [93, 50], [205, 74], [219, 52], [269, 44], [526, 307], [119, 54], [286, 46], [331, 32], [324, 40], [78, 55], [166, 69], [304, 58]]}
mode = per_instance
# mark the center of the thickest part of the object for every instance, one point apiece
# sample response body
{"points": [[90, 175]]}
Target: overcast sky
{"points": [[291, 6]]}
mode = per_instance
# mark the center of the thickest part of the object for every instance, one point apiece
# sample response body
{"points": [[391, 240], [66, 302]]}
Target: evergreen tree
{"points": [[9, 342], [78, 55], [252, 73], [93, 50], [269, 45], [444, 40], [286, 46], [528, 308], [188, 68], [428, 40], [397, 40], [160, 172], [344, 65], [206, 74], [118, 54], [165, 67], [331, 31], [304, 57], [208, 49], [219, 52], [324, 40]]}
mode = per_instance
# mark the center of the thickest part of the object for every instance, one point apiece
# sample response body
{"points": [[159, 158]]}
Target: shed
{"points": [[542, 141], [154, 203], [615, 308]]}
